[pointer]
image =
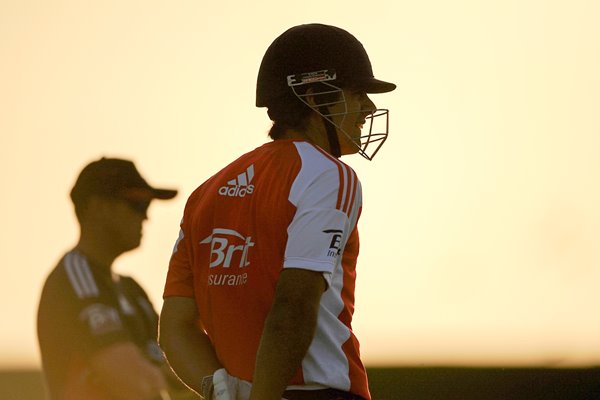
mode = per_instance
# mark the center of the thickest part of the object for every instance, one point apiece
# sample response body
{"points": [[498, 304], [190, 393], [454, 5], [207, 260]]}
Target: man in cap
{"points": [[97, 329], [259, 295]]}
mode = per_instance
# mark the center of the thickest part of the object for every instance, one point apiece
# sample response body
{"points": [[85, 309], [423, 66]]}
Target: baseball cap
{"points": [[114, 177], [315, 47]]}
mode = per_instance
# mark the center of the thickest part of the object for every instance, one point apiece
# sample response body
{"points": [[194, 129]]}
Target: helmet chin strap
{"points": [[332, 137]]}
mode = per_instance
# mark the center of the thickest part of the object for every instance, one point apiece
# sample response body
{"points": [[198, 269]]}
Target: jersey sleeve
{"points": [[179, 277], [326, 194]]}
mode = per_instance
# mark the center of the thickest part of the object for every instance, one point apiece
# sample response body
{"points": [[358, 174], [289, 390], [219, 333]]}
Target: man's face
{"points": [[357, 107], [124, 219]]}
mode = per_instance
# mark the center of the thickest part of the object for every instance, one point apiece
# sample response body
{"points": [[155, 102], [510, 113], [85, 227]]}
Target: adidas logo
{"points": [[240, 186]]}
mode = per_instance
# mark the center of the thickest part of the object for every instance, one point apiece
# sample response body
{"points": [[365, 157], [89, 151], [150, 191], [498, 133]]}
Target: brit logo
{"points": [[228, 247], [336, 242], [240, 186], [101, 318]]}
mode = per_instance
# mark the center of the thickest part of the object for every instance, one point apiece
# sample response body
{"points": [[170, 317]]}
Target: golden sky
{"points": [[481, 228]]}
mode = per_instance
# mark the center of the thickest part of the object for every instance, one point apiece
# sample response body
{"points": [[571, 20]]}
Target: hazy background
{"points": [[481, 227]]}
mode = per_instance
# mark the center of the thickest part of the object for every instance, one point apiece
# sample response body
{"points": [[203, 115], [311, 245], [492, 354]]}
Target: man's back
{"points": [[286, 204]]}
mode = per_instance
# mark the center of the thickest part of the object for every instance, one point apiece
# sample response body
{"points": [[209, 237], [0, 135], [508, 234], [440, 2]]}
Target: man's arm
{"points": [[188, 350], [288, 332], [123, 371]]}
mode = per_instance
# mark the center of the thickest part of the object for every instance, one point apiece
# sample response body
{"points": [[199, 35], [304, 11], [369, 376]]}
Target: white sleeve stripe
{"points": [[76, 266], [343, 185], [349, 190], [71, 275], [353, 195], [89, 278], [80, 276], [350, 186]]}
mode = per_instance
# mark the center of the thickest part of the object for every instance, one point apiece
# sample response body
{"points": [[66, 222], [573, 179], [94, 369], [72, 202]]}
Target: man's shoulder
{"points": [[317, 162], [314, 155], [299, 154], [58, 274], [61, 293], [72, 276]]}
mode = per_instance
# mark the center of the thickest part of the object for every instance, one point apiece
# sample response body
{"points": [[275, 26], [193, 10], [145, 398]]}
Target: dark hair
{"points": [[289, 112]]}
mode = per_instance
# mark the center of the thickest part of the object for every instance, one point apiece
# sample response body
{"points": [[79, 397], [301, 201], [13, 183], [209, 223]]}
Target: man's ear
{"points": [[310, 98]]}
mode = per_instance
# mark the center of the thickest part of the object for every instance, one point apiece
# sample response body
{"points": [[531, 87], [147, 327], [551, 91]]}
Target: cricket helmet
{"points": [[315, 47]]}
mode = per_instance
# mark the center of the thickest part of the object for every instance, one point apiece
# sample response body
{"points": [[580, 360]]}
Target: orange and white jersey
{"points": [[286, 204]]}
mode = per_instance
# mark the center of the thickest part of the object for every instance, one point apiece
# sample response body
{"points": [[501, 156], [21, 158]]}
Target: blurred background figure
{"points": [[97, 329]]}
